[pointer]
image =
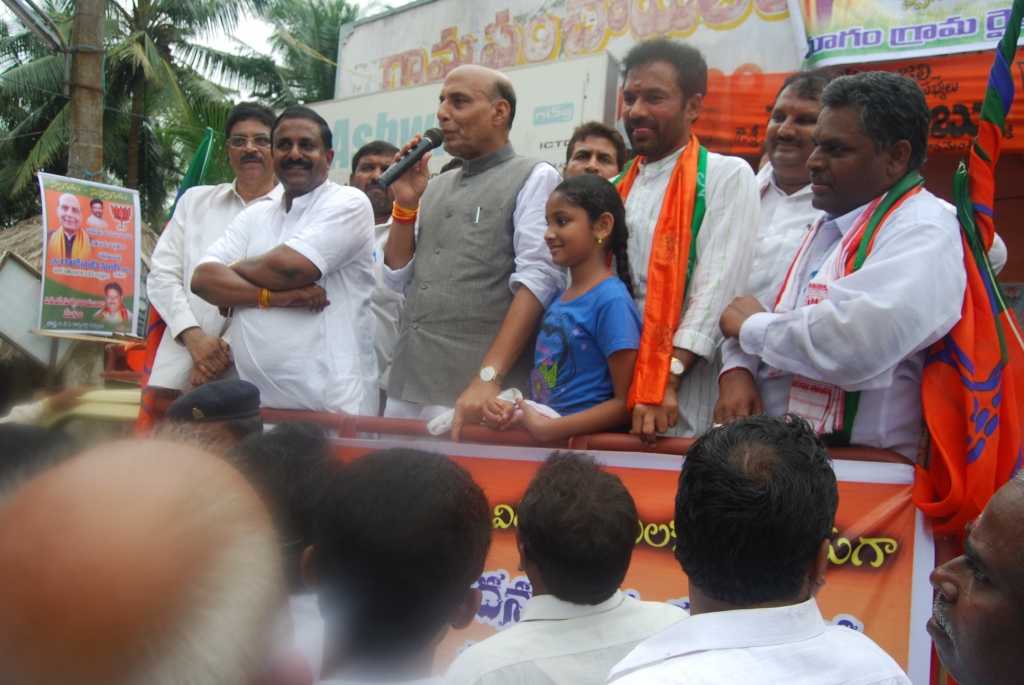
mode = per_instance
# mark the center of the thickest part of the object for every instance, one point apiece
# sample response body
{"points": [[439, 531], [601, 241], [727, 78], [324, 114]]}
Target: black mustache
{"points": [[794, 141], [254, 156], [641, 123], [296, 164]]}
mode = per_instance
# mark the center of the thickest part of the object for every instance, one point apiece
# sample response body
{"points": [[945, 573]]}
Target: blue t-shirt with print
{"points": [[576, 338]]}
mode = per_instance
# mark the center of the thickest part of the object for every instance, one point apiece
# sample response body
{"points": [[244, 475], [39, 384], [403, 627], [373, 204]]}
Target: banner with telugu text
{"points": [[91, 234], [858, 31], [881, 553]]}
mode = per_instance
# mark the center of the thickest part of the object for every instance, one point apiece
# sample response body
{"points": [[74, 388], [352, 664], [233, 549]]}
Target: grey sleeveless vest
{"points": [[459, 294]]}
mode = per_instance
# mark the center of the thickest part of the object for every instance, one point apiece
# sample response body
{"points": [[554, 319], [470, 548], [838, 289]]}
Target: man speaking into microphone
{"points": [[467, 249]]}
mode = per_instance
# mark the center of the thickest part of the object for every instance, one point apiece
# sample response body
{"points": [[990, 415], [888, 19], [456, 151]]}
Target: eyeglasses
{"points": [[239, 142]]}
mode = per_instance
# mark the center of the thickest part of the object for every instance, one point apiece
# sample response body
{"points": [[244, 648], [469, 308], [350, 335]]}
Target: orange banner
{"points": [[737, 107], [877, 581]]}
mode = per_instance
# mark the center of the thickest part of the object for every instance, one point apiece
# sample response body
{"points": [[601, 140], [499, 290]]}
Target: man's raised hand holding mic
{"points": [[462, 248]]}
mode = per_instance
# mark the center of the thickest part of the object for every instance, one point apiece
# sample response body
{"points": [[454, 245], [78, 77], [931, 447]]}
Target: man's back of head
{"points": [[756, 502], [400, 537], [28, 451], [287, 465], [577, 525], [137, 563]]}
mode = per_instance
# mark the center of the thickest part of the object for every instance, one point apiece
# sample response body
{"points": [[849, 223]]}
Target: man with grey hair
{"points": [[138, 563], [474, 266], [977, 624]]}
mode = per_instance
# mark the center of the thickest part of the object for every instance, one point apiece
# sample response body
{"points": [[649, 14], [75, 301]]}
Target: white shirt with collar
{"points": [[556, 642], [873, 329], [725, 251], [299, 359], [200, 218], [789, 645], [534, 267], [785, 222]]}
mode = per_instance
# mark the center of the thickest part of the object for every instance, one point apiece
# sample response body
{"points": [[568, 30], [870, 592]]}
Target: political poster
{"points": [[91, 238], [858, 31], [880, 555]]}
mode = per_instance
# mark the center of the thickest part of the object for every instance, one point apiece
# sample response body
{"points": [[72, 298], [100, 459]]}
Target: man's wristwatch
{"points": [[676, 367], [488, 374]]}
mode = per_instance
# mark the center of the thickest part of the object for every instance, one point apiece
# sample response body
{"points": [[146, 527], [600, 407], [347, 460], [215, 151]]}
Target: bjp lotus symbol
{"points": [[122, 213]]}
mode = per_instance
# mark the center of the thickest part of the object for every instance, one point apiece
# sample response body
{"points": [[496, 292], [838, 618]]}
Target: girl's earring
{"points": [[599, 239]]}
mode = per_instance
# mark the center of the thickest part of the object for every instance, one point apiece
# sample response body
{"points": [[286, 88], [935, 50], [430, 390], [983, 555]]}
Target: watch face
{"points": [[676, 368], [487, 374]]}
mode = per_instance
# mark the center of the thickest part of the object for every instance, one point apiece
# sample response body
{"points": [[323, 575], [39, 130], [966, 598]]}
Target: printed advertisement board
{"points": [[90, 256], [422, 42], [881, 552], [857, 31]]}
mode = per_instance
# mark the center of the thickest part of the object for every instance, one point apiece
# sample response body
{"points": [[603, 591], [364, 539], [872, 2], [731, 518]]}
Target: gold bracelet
{"points": [[264, 299], [401, 215], [233, 263]]}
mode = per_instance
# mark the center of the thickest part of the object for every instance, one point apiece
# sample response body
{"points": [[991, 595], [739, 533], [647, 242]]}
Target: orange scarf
{"points": [[81, 245], [672, 252]]}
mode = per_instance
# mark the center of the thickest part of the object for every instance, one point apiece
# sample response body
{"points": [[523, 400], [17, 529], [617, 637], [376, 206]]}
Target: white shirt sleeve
{"points": [[341, 230], [725, 251], [906, 296], [534, 267], [234, 244], [166, 281], [399, 280]]}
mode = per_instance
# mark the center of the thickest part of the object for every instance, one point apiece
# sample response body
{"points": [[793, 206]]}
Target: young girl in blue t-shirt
{"points": [[586, 349]]}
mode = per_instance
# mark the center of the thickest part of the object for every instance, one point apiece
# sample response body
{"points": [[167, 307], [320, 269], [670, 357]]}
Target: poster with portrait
{"points": [[91, 238]]}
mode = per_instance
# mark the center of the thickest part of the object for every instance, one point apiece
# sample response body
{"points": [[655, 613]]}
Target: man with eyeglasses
{"points": [[198, 350]]}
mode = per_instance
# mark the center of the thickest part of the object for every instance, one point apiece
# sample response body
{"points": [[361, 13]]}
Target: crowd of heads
{"points": [[393, 543]]}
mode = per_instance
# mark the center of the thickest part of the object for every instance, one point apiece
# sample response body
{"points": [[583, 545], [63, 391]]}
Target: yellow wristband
{"points": [[264, 299], [401, 215]]}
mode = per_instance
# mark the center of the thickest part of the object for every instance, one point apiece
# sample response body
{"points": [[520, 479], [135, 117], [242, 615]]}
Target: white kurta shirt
{"points": [[558, 643], [725, 251], [874, 327], [789, 645], [299, 359], [785, 221], [200, 218], [387, 306]]}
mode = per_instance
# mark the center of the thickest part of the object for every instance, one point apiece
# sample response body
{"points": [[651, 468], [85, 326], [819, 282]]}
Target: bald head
{"points": [[476, 111], [69, 212], [136, 563]]}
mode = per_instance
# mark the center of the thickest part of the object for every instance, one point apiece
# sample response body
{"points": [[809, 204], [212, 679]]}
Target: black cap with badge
{"points": [[227, 400]]}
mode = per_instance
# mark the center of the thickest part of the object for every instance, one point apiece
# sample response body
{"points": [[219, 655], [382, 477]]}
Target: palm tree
{"points": [[33, 115], [306, 39], [158, 96]]}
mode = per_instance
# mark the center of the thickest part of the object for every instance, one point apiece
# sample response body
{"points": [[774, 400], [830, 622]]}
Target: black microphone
{"points": [[431, 138]]}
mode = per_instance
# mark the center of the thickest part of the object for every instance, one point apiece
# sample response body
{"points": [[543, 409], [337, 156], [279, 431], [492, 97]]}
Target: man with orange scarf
{"points": [[841, 339], [70, 241], [692, 218]]}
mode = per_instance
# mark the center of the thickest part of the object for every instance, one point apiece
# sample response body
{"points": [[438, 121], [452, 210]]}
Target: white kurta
{"points": [[785, 222], [200, 218], [790, 645], [299, 359], [725, 251], [558, 643], [873, 328], [387, 306]]}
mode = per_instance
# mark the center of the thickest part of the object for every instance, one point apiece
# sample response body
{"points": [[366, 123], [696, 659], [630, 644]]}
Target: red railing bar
{"points": [[351, 426]]}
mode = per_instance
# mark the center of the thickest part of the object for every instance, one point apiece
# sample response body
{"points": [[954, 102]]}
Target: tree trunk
{"points": [[135, 130], [85, 135]]}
